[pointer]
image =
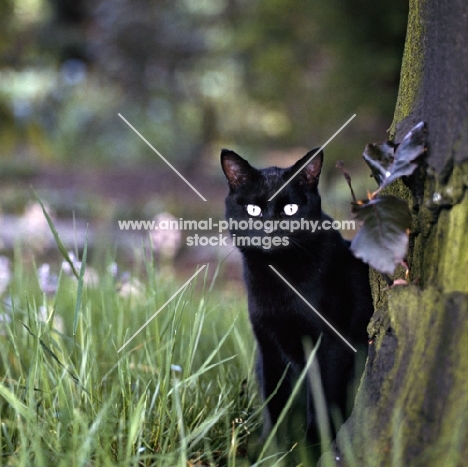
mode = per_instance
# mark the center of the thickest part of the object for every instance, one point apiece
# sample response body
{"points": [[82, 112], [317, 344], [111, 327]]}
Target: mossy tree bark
{"points": [[412, 406]]}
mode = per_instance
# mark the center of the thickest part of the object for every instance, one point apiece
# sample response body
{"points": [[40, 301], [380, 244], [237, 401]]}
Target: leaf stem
{"points": [[340, 165]]}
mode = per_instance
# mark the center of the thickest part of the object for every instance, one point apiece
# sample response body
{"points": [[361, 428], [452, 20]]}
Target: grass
{"points": [[179, 394], [78, 388]]}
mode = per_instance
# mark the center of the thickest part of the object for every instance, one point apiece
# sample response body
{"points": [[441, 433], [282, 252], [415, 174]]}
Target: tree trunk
{"points": [[412, 406]]}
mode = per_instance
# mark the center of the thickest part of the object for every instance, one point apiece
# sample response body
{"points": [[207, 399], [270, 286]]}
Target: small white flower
{"points": [[66, 268], [5, 273], [113, 269], [91, 277], [34, 227], [58, 323], [5, 318], [166, 241], [47, 282]]}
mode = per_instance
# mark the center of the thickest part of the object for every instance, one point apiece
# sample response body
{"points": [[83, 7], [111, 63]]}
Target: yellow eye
{"points": [[290, 209], [253, 210]]}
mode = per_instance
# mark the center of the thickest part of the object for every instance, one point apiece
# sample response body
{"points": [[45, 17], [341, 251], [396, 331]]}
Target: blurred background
{"points": [[269, 79]]}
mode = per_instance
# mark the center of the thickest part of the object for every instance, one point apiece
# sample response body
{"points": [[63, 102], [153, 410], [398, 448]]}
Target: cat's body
{"points": [[319, 266]]}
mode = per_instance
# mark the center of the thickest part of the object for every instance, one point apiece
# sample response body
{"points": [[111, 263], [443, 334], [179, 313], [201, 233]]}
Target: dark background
{"points": [[268, 78]]}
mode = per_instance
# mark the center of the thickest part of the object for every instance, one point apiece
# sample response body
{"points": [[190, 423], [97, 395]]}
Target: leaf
{"points": [[382, 241], [389, 161], [379, 157]]}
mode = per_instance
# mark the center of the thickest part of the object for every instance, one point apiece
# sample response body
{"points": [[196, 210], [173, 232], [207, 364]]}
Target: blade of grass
{"points": [[92, 438], [52, 354], [19, 407], [183, 459], [59, 243], [79, 291], [320, 405], [136, 424]]}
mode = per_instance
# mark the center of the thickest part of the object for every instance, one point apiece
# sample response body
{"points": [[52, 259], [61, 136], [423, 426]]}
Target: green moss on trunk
{"points": [[413, 400], [412, 66], [440, 250]]}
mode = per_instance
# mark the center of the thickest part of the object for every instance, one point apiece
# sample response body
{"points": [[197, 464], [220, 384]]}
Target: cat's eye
{"points": [[290, 209], [253, 210]]}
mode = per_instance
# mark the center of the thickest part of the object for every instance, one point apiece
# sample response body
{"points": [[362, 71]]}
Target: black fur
{"points": [[321, 267]]}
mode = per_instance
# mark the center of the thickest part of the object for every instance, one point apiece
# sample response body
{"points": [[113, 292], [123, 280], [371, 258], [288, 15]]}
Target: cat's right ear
{"points": [[237, 170]]}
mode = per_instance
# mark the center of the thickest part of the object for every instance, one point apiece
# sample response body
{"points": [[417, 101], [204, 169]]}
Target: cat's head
{"points": [[270, 196]]}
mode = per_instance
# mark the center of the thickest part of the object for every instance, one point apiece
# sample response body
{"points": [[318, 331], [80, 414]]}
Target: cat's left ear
{"points": [[311, 172]]}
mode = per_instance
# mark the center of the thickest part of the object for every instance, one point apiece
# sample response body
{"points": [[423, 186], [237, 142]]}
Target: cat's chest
{"points": [[271, 297], [279, 315], [293, 297]]}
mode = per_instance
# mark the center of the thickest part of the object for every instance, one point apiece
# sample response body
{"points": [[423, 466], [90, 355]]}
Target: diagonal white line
{"points": [[162, 157], [311, 157], [160, 309], [313, 309]]}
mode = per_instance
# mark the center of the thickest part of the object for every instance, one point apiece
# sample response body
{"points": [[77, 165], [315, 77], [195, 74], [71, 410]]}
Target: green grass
{"points": [[79, 388], [176, 395]]}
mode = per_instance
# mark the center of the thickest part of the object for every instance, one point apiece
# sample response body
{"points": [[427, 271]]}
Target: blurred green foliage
{"points": [[193, 76]]}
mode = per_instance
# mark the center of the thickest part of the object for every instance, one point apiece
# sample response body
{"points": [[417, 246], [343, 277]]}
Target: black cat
{"points": [[319, 265]]}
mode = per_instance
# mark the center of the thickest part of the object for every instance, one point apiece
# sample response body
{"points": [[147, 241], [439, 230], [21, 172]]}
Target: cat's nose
{"points": [[269, 213]]}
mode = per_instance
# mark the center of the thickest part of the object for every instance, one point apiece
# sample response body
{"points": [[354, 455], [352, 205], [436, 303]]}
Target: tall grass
{"points": [[180, 393]]}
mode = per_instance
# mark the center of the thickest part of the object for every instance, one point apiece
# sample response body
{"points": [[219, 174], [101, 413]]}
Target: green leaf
{"points": [[389, 162], [382, 240], [59, 243]]}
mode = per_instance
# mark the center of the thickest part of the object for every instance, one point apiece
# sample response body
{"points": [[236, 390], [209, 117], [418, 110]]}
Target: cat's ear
{"points": [[237, 170], [311, 172]]}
